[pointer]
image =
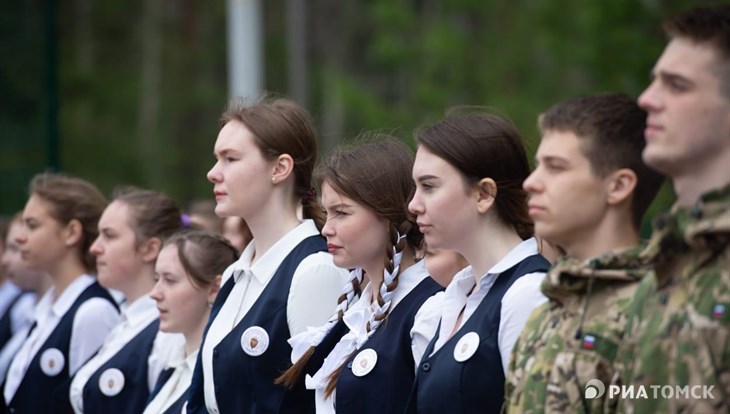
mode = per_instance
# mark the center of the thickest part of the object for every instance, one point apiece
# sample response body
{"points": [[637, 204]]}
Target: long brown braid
{"points": [[377, 174]]}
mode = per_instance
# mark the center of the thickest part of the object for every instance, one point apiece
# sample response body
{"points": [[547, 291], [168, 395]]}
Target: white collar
{"points": [[67, 298], [267, 264], [141, 311], [465, 278]]}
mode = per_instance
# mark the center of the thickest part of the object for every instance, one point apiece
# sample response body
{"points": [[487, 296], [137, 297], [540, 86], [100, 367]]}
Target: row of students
{"points": [[349, 317]]}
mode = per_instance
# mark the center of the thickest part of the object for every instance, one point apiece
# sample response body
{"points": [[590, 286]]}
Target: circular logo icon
{"points": [[466, 347], [594, 389], [52, 362], [364, 362], [255, 341], [111, 382]]}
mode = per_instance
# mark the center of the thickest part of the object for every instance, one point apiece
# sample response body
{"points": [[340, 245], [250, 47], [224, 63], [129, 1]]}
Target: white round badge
{"points": [[466, 347], [111, 382], [255, 341], [52, 362], [364, 362]]}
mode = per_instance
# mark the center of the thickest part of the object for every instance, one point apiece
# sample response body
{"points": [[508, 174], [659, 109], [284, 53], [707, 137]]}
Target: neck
{"points": [[140, 284], [487, 245], [614, 232], [376, 276], [44, 284], [271, 223], [67, 270], [194, 337], [690, 184]]}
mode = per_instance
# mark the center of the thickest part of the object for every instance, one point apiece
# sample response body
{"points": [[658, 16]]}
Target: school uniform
{"points": [[291, 286], [9, 296], [379, 367], [16, 322], [465, 373], [119, 378], [171, 392], [66, 333]]}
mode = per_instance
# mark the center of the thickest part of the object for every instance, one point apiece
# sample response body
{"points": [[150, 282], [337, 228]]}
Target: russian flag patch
{"points": [[718, 311], [589, 341]]}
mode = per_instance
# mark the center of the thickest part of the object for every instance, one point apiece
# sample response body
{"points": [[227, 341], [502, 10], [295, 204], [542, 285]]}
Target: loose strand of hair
{"points": [[291, 376]]}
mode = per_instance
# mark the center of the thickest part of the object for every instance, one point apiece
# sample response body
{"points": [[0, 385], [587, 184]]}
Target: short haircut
{"points": [[710, 26], [611, 130]]}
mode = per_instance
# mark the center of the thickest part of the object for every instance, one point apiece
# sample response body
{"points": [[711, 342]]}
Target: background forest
{"points": [[139, 85]]}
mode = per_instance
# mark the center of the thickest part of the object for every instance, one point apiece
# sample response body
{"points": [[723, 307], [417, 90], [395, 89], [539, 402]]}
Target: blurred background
{"points": [[130, 91]]}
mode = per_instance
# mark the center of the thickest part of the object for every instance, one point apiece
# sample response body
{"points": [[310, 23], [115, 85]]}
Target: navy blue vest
{"points": [[324, 348], [177, 406], [131, 360], [385, 389], [6, 322], [477, 384], [245, 384], [38, 392]]}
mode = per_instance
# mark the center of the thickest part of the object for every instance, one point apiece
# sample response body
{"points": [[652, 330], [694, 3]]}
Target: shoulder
{"points": [[528, 286], [95, 307], [319, 266], [430, 312]]}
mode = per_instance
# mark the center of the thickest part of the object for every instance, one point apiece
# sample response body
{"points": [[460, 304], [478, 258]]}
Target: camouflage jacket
{"points": [[573, 338], [679, 319]]}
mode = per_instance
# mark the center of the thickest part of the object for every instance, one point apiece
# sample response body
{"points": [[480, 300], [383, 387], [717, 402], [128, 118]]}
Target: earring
{"points": [[273, 180]]}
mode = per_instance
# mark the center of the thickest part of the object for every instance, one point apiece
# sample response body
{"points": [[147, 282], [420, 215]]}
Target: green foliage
{"points": [[388, 65]]}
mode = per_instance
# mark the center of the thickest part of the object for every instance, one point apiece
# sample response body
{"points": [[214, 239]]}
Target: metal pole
{"points": [[245, 51], [51, 83]]}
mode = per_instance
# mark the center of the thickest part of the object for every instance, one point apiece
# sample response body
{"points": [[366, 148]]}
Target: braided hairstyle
{"points": [[376, 173]]}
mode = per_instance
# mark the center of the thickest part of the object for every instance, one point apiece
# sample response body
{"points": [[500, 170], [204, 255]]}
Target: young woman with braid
{"points": [[368, 366], [468, 172], [284, 280]]}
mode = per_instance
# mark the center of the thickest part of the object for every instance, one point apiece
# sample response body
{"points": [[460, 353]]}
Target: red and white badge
{"points": [[255, 341], [466, 347], [364, 362]]}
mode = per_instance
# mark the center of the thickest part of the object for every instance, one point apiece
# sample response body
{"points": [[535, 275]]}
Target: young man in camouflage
{"points": [[588, 194], [680, 319]]}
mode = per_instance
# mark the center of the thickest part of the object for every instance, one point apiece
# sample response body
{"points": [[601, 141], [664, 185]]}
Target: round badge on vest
{"points": [[364, 362], [111, 382], [466, 347], [255, 341], [52, 362]]}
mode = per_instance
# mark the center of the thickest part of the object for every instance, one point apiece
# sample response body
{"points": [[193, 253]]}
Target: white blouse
{"points": [[356, 318], [177, 384], [135, 318], [92, 322], [517, 303], [315, 287]]}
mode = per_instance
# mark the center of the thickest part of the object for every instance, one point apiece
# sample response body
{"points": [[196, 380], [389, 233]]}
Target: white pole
{"points": [[245, 48]]}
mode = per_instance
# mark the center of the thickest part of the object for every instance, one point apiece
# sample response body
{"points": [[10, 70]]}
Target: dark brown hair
{"points": [[203, 254], [152, 214], [611, 129], [710, 26], [280, 126], [72, 198], [483, 145], [377, 174]]}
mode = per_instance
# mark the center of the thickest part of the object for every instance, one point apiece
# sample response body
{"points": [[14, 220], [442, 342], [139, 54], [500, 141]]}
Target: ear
{"points": [[283, 167], [486, 191], [213, 289], [149, 249], [73, 232], [621, 185]]}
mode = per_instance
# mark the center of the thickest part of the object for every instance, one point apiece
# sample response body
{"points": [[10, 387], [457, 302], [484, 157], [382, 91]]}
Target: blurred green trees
{"points": [[142, 83]]}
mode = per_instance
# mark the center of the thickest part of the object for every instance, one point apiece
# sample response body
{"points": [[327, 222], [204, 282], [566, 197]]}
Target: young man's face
{"points": [[567, 200], [688, 120]]}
